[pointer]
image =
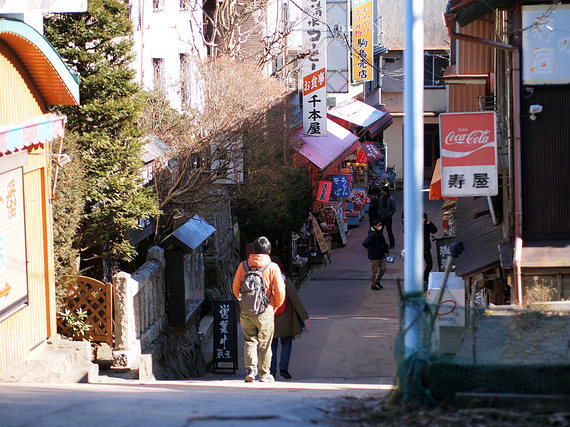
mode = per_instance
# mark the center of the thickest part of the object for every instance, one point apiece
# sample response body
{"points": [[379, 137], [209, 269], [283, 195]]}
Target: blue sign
{"points": [[340, 185]]}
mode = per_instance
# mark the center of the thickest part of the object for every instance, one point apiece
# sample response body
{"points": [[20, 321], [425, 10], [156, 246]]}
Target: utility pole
{"points": [[413, 183]]}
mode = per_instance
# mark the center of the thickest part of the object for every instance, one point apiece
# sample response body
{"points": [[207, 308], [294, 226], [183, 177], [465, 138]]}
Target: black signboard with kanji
{"points": [[225, 336]]}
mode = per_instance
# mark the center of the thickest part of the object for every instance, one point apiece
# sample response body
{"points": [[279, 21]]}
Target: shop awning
{"points": [[326, 153], [435, 184], [480, 237], [30, 133], [357, 115]]}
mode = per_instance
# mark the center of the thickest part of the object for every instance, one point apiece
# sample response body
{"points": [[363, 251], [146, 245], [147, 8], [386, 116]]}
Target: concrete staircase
{"points": [[57, 360], [60, 360]]}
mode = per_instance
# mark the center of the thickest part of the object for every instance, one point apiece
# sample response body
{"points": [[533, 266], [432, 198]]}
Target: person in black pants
{"points": [[386, 209], [429, 229], [373, 207]]}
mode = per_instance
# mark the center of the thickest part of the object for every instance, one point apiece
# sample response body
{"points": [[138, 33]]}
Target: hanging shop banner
{"points": [[362, 53], [340, 186], [468, 143], [361, 157], [13, 277], [324, 192], [314, 68], [372, 152]]}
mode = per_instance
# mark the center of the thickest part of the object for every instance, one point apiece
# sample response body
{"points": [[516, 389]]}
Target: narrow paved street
{"points": [[348, 351]]}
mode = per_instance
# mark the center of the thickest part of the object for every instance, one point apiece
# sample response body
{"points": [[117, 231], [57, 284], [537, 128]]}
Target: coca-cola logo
{"points": [[464, 136]]}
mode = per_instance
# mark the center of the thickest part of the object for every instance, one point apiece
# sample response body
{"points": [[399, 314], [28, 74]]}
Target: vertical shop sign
{"points": [[314, 68], [324, 191], [13, 277], [362, 47], [318, 233], [468, 143], [340, 185], [225, 335]]}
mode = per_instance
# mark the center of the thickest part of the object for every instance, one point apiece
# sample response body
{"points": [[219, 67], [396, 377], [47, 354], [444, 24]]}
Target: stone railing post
{"points": [[127, 346]]}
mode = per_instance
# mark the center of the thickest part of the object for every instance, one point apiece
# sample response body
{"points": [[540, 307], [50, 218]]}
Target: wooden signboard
{"points": [[319, 237], [225, 335]]}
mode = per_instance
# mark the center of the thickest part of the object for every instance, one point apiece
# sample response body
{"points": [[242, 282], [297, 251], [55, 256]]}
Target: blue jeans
{"points": [[286, 345]]}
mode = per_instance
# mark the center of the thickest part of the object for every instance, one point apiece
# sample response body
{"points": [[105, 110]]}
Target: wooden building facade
{"points": [[32, 78]]}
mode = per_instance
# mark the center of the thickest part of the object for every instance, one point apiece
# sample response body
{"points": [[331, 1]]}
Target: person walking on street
{"points": [[377, 251], [429, 228], [386, 209], [258, 329], [289, 322]]}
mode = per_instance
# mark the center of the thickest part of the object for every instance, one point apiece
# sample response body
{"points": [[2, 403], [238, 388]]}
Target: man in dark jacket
{"points": [[373, 207], [429, 229], [377, 251], [386, 209]]}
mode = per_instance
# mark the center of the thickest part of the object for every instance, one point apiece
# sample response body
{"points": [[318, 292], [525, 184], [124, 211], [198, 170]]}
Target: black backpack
{"points": [[253, 296]]}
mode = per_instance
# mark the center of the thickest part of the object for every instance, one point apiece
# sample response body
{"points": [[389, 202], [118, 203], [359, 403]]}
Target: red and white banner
{"points": [[468, 143], [324, 193], [314, 68]]}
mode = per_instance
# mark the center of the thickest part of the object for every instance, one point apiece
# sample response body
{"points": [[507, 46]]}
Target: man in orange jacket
{"points": [[258, 330]]}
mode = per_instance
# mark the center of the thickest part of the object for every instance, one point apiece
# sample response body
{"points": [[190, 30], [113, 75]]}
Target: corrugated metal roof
{"points": [[153, 149], [56, 83]]}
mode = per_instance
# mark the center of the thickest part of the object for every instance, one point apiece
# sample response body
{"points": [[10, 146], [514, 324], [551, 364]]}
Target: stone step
{"points": [[55, 361]]}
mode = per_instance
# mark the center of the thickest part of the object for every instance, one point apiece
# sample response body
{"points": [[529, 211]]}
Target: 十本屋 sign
{"points": [[468, 143], [314, 69]]}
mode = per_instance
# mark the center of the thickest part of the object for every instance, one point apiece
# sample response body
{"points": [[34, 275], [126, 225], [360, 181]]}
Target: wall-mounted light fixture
{"points": [[534, 110]]}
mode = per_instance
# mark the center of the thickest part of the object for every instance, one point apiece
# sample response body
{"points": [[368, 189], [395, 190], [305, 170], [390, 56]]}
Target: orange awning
{"points": [[435, 185]]}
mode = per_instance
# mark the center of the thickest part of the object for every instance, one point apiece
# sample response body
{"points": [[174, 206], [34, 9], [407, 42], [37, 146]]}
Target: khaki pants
{"points": [[257, 335], [377, 270]]}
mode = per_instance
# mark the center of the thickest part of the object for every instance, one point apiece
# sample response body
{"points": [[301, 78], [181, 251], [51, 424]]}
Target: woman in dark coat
{"points": [[289, 322], [377, 251]]}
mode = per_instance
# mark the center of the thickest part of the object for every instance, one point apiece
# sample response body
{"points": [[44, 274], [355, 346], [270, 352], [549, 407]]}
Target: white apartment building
{"points": [[167, 44]]}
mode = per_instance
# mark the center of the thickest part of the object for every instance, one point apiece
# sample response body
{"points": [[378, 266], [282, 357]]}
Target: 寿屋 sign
{"points": [[468, 143]]}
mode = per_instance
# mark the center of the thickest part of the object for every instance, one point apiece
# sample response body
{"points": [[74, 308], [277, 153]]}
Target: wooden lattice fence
{"points": [[95, 298]]}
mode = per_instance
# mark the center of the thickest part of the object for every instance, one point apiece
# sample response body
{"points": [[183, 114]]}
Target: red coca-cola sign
{"points": [[468, 139], [468, 143]]}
